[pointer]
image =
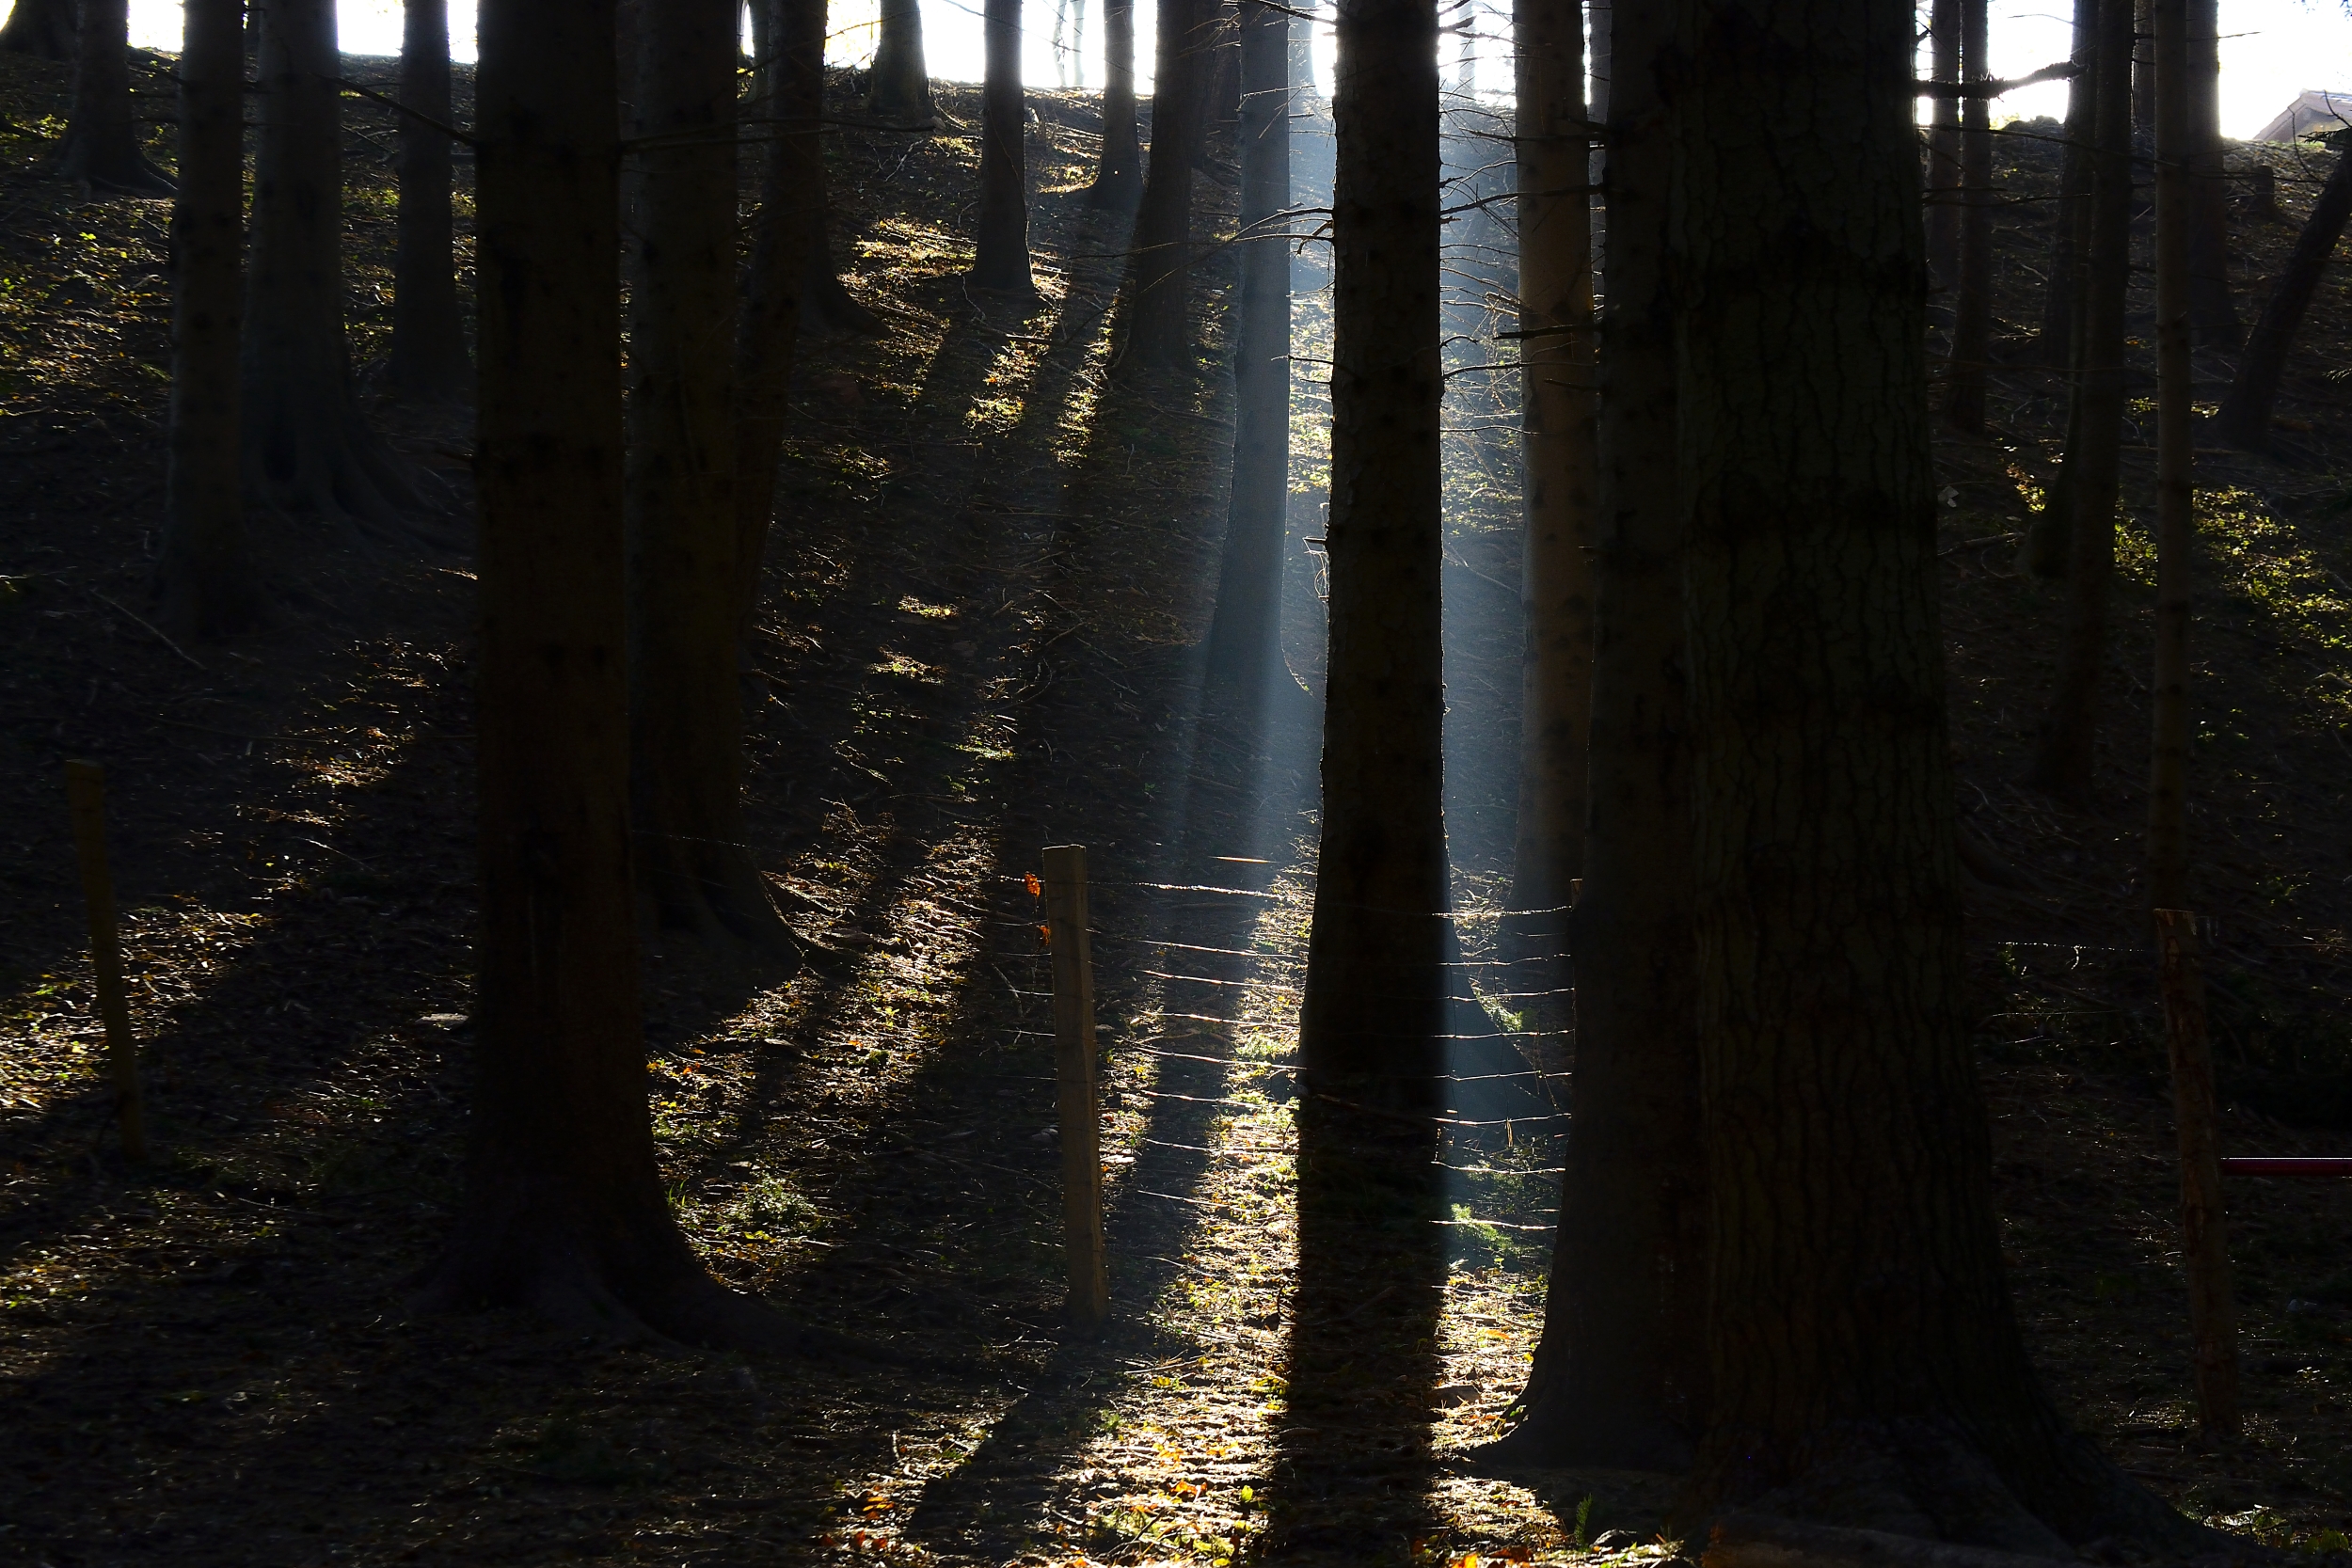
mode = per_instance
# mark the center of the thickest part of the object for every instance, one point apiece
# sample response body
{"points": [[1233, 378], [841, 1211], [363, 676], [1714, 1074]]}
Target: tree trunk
{"points": [[1158, 335], [308, 449], [1867, 1368], [2211, 314], [2077, 523], [1375, 989], [203, 583], [785, 235], [1245, 637], [2071, 228], [102, 142], [685, 566], [826, 304], [1943, 177], [1972, 301], [1220, 83], [2143, 68], [41, 28], [1000, 259], [2245, 419], [563, 1209], [1557, 464], [1620, 1375], [898, 88], [1598, 30], [428, 358], [1119, 179]]}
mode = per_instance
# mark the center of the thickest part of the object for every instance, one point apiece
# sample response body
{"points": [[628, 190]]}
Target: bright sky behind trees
{"points": [[2270, 49]]}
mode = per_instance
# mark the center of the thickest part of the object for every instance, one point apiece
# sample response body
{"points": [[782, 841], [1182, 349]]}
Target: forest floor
{"points": [[977, 639]]}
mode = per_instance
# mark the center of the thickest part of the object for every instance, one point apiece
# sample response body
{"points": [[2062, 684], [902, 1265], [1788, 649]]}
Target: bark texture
{"points": [[2245, 419], [1119, 182], [203, 583], [41, 28], [1000, 259], [1558, 471], [1375, 990], [2061, 299], [1972, 299], [899, 90], [428, 357], [102, 142], [1156, 331], [307, 447], [2077, 523], [1866, 1365], [1620, 1376], [564, 1209], [1245, 636], [685, 570]]}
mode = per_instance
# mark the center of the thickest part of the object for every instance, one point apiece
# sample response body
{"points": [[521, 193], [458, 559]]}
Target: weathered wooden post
{"points": [[1074, 1094], [86, 792], [2205, 1239]]}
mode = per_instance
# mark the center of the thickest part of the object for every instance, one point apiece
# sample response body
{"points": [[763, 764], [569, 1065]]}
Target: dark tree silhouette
{"points": [[2212, 313], [564, 1209], [1376, 989], [2077, 523], [1866, 1363], [898, 88], [1118, 180], [203, 583], [41, 28], [428, 357], [2071, 226], [1000, 260], [308, 447], [1155, 331], [1620, 1377], [2245, 419], [102, 142], [1245, 636], [1972, 299], [1944, 146]]}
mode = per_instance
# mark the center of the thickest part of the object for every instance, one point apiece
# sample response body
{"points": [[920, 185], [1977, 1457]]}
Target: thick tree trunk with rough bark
{"points": [[785, 232], [2245, 419], [1620, 1375], [41, 28], [1376, 987], [1944, 146], [2071, 227], [203, 583], [1119, 181], [898, 88], [1972, 299], [685, 569], [564, 1209], [1557, 468], [101, 141], [2077, 523], [308, 447], [1867, 1368], [2211, 314], [428, 357], [1000, 257], [1245, 636], [1155, 330], [2143, 68]]}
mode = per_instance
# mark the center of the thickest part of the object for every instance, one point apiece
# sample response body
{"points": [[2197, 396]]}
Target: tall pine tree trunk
{"points": [[1866, 1363], [2143, 68], [2212, 313], [2245, 419], [101, 141], [203, 583], [2071, 227], [2077, 525], [428, 357], [1557, 462], [1119, 181], [564, 1209], [898, 88], [1375, 989], [1972, 301], [1000, 260], [1245, 636], [41, 28], [1156, 330], [1620, 1375], [685, 569], [1944, 146], [308, 447]]}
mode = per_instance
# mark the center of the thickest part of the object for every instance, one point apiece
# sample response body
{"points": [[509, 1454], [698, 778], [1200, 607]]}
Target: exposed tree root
{"points": [[713, 893]]}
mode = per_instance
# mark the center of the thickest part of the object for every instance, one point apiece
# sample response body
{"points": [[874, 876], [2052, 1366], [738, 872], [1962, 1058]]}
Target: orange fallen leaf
{"points": [[1034, 887]]}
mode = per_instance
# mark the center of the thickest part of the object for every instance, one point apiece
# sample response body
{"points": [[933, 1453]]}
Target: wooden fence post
{"points": [[86, 792], [2205, 1239], [1074, 1094]]}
